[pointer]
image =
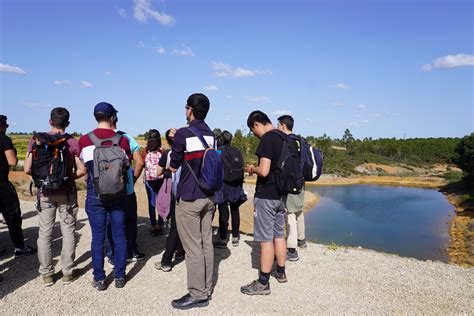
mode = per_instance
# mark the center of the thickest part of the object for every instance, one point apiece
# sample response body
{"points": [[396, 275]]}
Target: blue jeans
{"points": [[130, 229], [97, 212]]}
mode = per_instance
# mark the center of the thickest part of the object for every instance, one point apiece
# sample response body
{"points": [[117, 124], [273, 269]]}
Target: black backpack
{"points": [[50, 160], [311, 159], [288, 176], [233, 163]]}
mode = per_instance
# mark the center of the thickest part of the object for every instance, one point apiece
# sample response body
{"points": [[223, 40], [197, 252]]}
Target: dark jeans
{"points": [[10, 209], [97, 212], [130, 228], [173, 243], [152, 188], [224, 219]]}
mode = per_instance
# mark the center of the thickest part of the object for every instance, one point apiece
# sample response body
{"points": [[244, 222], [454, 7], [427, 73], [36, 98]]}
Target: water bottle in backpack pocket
{"points": [[110, 167], [50, 160]]}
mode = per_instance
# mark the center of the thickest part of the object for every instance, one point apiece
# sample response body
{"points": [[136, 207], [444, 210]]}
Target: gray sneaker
{"points": [[256, 288], [162, 267], [220, 243], [69, 278], [281, 277], [120, 282], [48, 280], [99, 285], [235, 241], [292, 256], [302, 243]]}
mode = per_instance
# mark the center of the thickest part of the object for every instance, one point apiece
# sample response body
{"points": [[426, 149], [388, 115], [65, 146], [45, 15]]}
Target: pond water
{"points": [[411, 222]]}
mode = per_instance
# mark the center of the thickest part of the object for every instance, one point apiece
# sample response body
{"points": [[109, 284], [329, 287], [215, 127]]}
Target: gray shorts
{"points": [[269, 219]]}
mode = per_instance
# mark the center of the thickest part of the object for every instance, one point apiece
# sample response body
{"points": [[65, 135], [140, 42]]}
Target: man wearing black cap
{"points": [[194, 207], [9, 203], [98, 210]]}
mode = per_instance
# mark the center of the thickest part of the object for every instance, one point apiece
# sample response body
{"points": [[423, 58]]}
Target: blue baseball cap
{"points": [[106, 108]]}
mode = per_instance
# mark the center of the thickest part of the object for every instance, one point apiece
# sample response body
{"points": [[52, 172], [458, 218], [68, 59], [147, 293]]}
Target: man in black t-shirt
{"points": [[269, 205], [9, 203]]}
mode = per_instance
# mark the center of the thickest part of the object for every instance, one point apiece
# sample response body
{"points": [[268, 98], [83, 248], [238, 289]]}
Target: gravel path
{"points": [[323, 281]]}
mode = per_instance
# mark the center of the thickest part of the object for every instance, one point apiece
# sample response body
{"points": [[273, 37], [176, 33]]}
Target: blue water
{"points": [[411, 222]]}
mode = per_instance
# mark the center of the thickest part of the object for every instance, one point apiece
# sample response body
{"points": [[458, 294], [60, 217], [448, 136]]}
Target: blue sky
{"points": [[380, 68]]}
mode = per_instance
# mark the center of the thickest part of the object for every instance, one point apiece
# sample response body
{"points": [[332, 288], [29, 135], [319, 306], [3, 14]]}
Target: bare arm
{"points": [[11, 157], [28, 163], [81, 169], [138, 161], [263, 168]]}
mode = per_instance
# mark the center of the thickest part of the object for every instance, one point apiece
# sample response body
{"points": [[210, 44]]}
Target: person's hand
{"points": [[172, 133], [250, 169]]}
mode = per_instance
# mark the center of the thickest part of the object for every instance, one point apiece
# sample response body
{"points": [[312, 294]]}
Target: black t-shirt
{"points": [[5, 144], [163, 161], [269, 147]]}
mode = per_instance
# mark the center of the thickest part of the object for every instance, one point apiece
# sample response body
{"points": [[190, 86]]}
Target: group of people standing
{"points": [[112, 214]]}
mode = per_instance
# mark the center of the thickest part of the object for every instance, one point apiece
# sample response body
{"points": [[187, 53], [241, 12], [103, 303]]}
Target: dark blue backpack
{"points": [[313, 161], [211, 173]]}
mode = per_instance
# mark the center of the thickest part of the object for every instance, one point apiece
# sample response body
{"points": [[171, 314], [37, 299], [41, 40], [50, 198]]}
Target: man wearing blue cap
{"points": [[96, 148]]}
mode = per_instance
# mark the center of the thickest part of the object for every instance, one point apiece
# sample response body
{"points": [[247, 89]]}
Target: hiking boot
{"points": [[24, 252], [279, 276], [302, 243], [120, 282], [179, 257], [292, 256], [136, 256], [235, 241], [69, 278], [99, 285], [48, 280], [162, 267], [256, 288], [220, 243], [111, 263]]}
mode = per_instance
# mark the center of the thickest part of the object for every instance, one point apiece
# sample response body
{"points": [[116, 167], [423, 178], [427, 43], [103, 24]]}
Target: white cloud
{"points": [[12, 123], [86, 84], [121, 12], [229, 97], [281, 112], [186, 52], [108, 73], [11, 69], [62, 82], [227, 117], [142, 11], [141, 44], [210, 88], [34, 105], [450, 61], [342, 85], [224, 70], [161, 50], [259, 99], [336, 104], [361, 107]]}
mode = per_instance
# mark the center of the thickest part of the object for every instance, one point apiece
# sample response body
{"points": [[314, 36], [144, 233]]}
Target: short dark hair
{"points": [[257, 116], [200, 104], [101, 116], [168, 138], [3, 121], [287, 120], [154, 140], [225, 138], [60, 117]]}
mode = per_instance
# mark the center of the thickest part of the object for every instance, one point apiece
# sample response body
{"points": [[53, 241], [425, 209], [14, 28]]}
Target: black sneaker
{"points": [[162, 267], [292, 256], [136, 256], [235, 241], [280, 277], [120, 282], [24, 252], [111, 263], [99, 285], [179, 257], [220, 243], [256, 288], [302, 243]]}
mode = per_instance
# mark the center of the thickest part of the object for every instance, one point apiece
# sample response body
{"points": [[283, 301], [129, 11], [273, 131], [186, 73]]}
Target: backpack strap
{"points": [[199, 136], [115, 140]]}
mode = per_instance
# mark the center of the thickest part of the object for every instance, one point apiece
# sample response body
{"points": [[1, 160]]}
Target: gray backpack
{"points": [[110, 168]]}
